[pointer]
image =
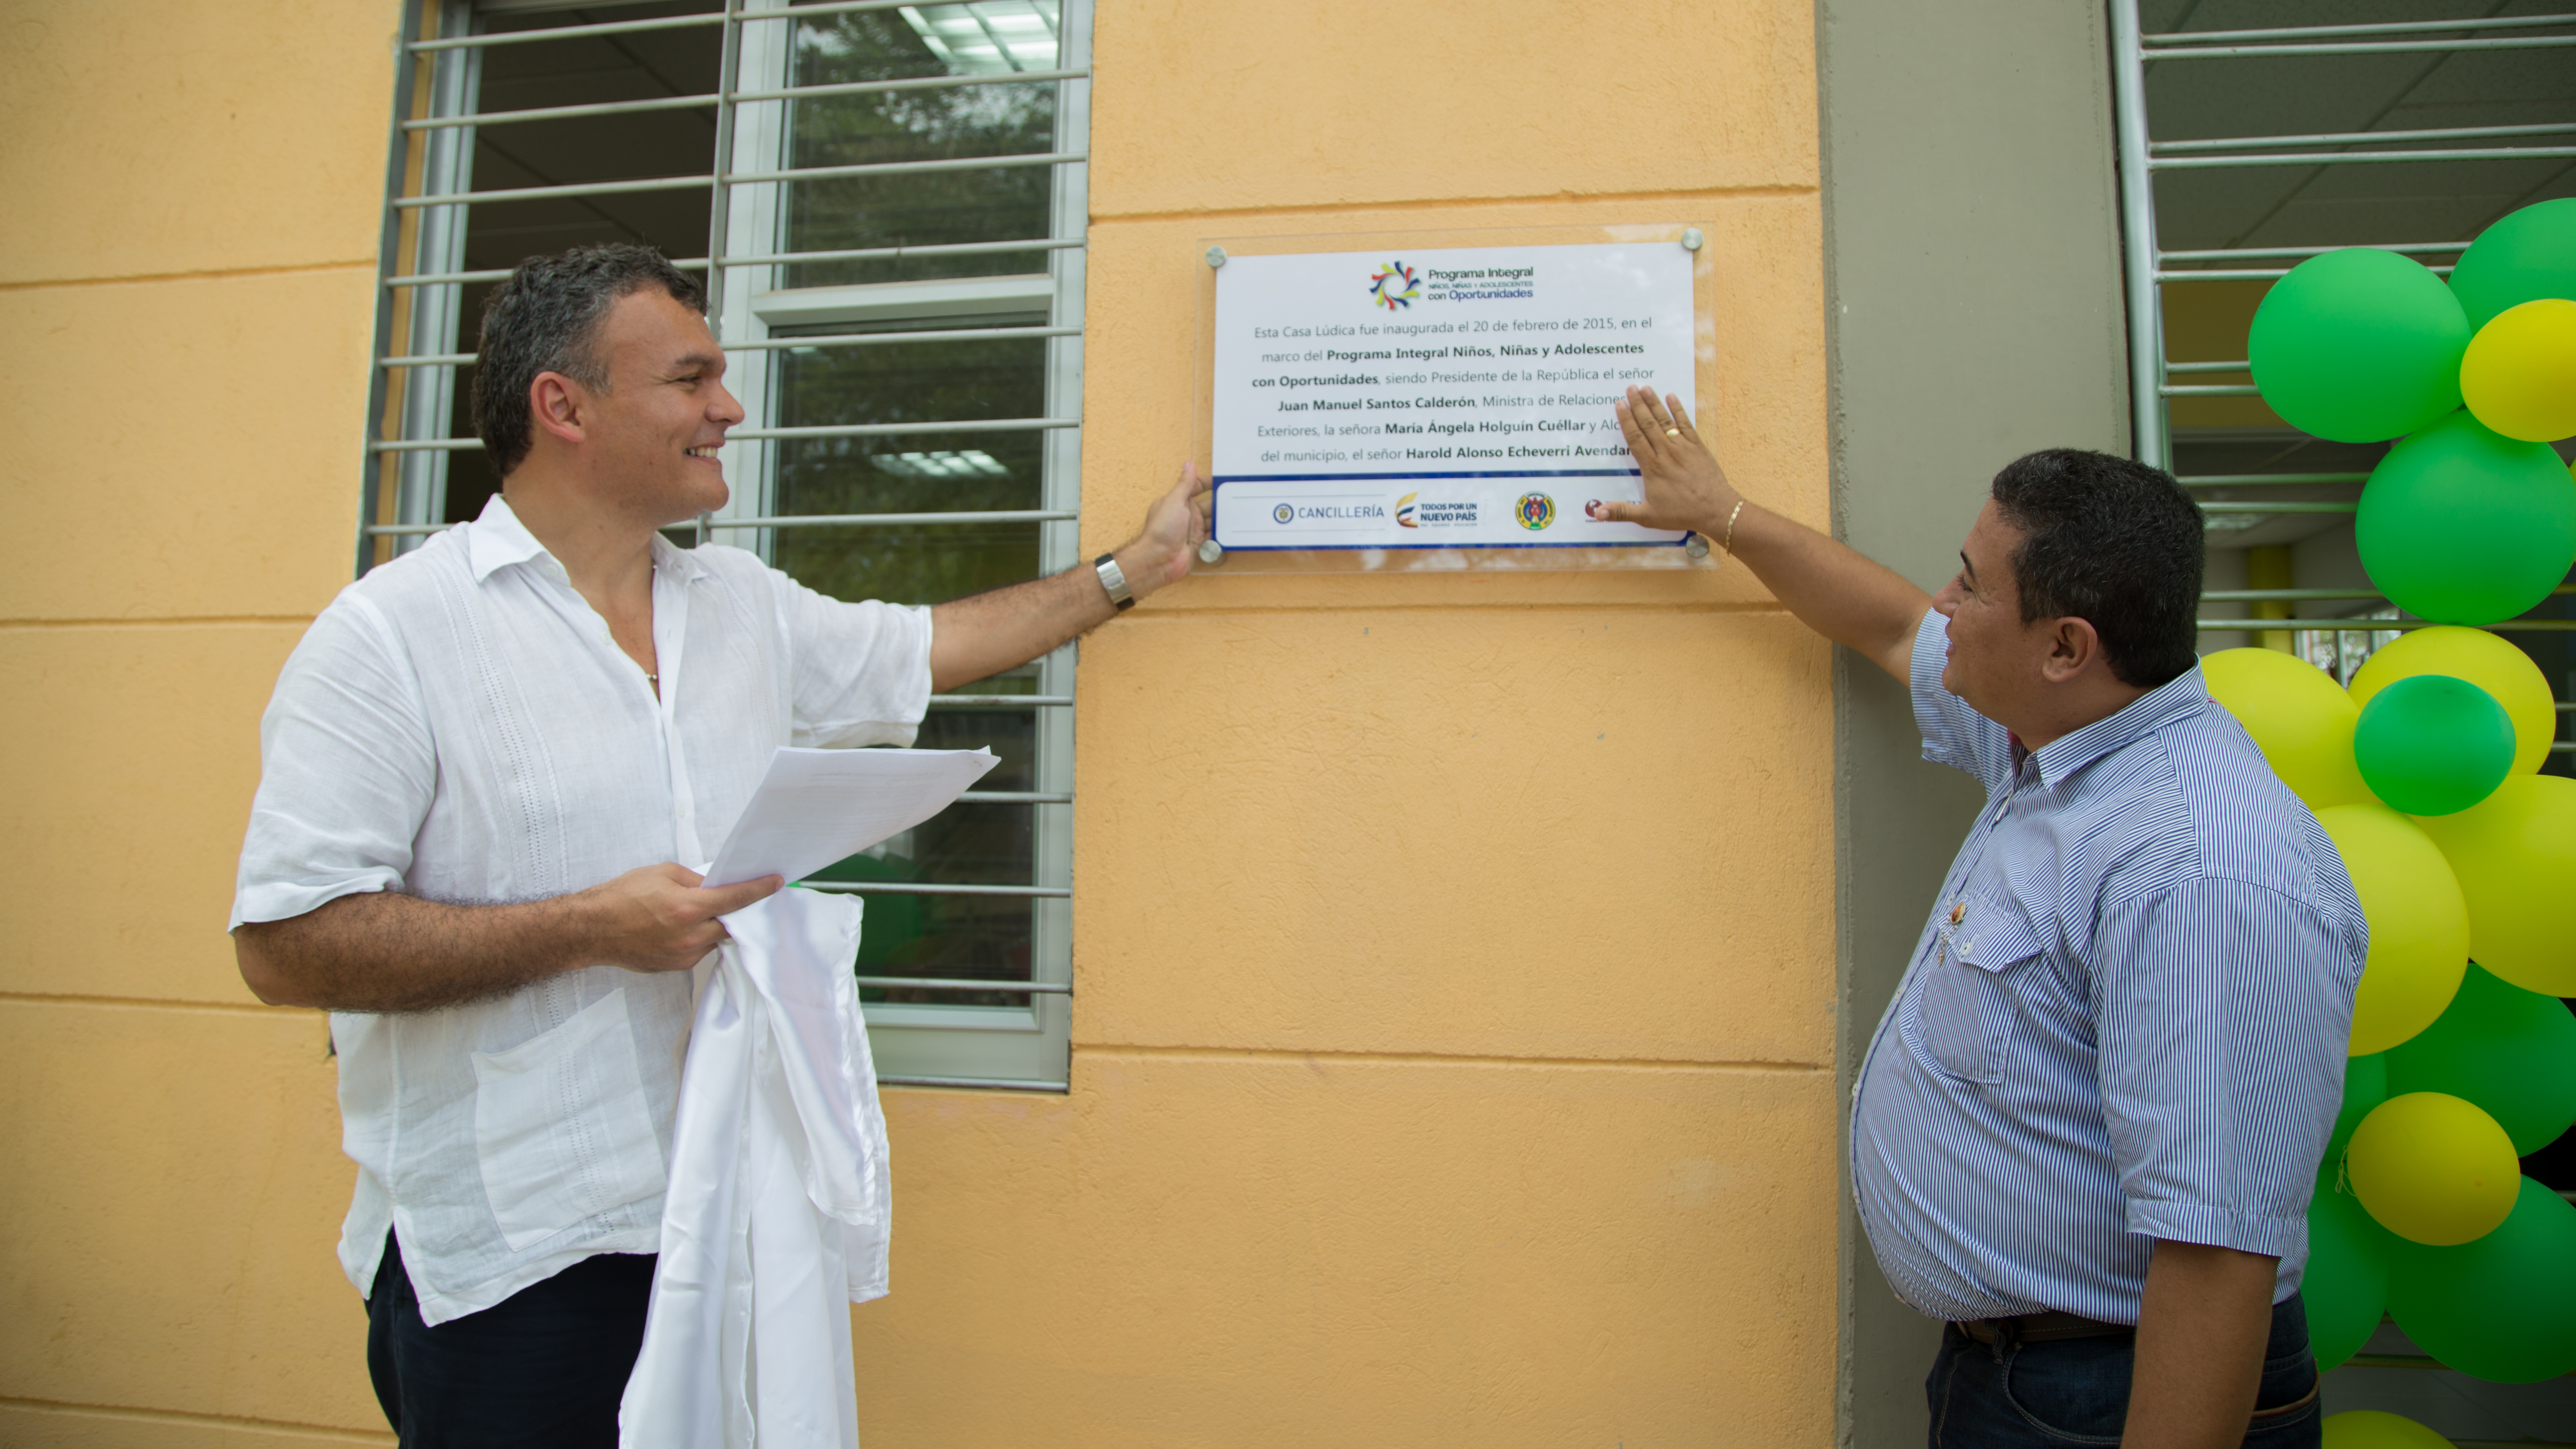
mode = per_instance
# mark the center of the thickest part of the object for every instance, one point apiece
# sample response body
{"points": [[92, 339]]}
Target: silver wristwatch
{"points": [[1114, 580]]}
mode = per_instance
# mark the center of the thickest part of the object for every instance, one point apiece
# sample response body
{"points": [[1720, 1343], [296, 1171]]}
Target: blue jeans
{"points": [[543, 1368], [2008, 1395]]}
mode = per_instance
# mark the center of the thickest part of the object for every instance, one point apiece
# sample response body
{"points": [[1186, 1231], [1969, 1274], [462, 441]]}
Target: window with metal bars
{"points": [[2252, 138], [888, 204]]}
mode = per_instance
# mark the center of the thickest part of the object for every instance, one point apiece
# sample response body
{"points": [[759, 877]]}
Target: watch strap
{"points": [[1114, 579]]}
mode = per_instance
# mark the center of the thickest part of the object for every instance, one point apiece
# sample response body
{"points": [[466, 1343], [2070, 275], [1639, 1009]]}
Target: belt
{"points": [[2042, 1328]]}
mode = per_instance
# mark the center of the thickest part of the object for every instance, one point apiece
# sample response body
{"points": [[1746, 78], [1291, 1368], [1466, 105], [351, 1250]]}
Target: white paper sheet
{"points": [[814, 807]]}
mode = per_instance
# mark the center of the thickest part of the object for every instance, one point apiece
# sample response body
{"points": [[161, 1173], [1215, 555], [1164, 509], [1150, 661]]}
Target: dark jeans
{"points": [[542, 1367], [2007, 1395]]}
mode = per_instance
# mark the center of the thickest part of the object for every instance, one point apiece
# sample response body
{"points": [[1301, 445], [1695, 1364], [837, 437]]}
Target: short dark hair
{"points": [[2112, 542], [545, 318]]}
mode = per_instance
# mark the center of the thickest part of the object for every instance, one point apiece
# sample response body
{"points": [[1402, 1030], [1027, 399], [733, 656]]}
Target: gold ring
{"points": [[1672, 432]]}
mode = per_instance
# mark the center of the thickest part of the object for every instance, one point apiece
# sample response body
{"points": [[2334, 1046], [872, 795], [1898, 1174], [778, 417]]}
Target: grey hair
{"points": [[545, 318]]}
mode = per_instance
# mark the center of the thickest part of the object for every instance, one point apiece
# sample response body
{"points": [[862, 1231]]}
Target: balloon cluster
{"points": [[2425, 775]]}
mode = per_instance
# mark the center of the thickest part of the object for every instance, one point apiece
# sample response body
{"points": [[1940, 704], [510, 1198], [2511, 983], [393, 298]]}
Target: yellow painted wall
{"points": [[1454, 959], [186, 294]]}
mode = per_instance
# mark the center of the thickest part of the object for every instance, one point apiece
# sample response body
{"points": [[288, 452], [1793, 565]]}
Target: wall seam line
{"points": [[241, 1008], [169, 621], [215, 274], [1448, 1059], [202, 1421], [1760, 191], [1520, 606]]}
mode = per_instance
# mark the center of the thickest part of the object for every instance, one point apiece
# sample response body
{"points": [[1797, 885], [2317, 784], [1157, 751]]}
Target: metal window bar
{"points": [[711, 99], [2146, 269], [2355, 138], [2394, 27], [416, 359], [2353, 158], [435, 279], [2390, 47], [732, 14], [2229, 253], [2254, 274]]}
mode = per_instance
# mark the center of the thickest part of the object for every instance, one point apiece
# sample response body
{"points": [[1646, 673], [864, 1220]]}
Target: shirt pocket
{"points": [[1968, 1007], [561, 1129]]}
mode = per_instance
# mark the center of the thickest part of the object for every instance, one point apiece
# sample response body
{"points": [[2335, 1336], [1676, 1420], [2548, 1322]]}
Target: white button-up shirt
{"points": [[459, 725]]}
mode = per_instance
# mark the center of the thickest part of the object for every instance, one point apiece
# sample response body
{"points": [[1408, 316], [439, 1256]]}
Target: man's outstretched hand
{"points": [[1685, 489]]}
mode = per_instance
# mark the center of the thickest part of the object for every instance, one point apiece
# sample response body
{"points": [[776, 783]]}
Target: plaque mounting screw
{"points": [[1216, 256], [1691, 239], [1211, 551], [1697, 547]]}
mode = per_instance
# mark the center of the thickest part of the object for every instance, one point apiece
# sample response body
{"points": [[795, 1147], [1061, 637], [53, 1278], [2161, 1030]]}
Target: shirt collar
{"points": [[498, 539], [2185, 694]]}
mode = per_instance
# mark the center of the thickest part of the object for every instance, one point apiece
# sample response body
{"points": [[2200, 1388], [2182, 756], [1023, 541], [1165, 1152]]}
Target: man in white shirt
{"points": [[486, 771]]}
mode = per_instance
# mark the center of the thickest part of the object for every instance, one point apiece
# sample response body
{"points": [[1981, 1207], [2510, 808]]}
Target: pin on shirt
{"points": [[1950, 929]]}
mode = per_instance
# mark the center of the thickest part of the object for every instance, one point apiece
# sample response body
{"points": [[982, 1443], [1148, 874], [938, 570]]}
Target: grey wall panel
{"points": [[1973, 287]]}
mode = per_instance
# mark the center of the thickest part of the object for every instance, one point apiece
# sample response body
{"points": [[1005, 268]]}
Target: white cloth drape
{"points": [[779, 1205]]}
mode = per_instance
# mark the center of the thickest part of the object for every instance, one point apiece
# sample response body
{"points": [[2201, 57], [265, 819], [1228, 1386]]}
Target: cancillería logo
{"points": [[1408, 512], [1394, 286], [1283, 513], [1535, 511]]}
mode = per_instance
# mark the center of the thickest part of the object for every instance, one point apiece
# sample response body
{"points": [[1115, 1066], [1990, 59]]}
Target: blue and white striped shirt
{"points": [[2126, 1019]]}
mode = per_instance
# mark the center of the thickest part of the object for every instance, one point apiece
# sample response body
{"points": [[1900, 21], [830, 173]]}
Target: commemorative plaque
{"points": [[1451, 398]]}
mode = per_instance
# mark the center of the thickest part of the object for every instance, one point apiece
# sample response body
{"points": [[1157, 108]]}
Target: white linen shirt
{"points": [[459, 725]]}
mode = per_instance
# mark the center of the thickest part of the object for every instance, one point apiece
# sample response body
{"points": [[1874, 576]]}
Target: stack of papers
{"points": [[814, 807]]}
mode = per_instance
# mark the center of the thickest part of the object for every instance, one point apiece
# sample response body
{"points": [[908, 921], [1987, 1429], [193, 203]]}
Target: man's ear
{"points": [[2072, 646], [560, 406]]}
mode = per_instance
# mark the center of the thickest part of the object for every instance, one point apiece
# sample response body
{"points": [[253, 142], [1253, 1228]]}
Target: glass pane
{"points": [[938, 472], [944, 470], [995, 37], [638, 66], [974, 937]]}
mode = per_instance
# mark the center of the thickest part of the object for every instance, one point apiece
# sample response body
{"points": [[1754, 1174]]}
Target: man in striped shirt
{"points": [[2088, 1127]]}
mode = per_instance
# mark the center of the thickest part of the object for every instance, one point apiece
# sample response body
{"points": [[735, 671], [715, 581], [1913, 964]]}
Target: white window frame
{"points": [[420, 348]]}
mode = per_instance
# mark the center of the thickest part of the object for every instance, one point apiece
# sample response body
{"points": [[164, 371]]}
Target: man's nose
{"points": [[726, 409]]}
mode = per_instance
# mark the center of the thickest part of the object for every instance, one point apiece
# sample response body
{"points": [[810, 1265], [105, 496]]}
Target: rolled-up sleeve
{"points": [[2221, 1058], [347, 771], [1953, 734], [861, 672]]}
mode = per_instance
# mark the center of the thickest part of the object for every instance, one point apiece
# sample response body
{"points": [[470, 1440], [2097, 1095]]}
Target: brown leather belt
{"points": [[2043, 1328]]}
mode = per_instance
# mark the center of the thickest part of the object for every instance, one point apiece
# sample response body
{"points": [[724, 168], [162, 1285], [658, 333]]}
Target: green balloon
{"points": [[2462, 525], [2346, 1284], [2433, 745], [2523, 258], [2358, 346], [2510, 1052], [2365, 1085], [2502, 1308]]}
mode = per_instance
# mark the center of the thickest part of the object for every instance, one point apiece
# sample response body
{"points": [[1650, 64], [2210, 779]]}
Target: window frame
{"points": [[419, 354]]}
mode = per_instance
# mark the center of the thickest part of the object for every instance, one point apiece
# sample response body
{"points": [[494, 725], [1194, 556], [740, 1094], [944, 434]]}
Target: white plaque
{"points": [[1457, 398]]}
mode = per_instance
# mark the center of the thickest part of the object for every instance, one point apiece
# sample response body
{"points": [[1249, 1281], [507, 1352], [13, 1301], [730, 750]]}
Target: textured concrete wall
{"points": [[1454, 1026], [1973, 253], [1455, 957]]}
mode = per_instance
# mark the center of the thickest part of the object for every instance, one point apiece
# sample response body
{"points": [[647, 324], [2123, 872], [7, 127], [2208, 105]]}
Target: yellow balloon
{"points": [[2433, 1168], [2519, 374], [2371, 1429], [2419, 924], [2302, 722], [2514, 855], [2483, 659]]}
